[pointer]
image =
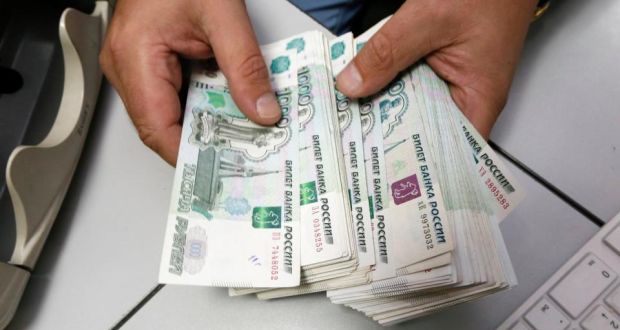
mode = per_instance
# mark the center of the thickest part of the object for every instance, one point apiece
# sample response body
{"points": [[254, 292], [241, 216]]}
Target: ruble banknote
{"points": [[234, 214]]}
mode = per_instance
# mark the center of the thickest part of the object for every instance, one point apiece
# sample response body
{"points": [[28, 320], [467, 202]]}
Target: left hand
{"points": [[472, 44], [141, 56]]}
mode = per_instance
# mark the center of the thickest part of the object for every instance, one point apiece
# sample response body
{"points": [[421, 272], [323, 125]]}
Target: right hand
{"points": [[140, 58]]}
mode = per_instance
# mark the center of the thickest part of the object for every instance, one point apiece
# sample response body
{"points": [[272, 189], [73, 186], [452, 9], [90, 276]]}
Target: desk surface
{"points": [[563, 116], [102, 255]]}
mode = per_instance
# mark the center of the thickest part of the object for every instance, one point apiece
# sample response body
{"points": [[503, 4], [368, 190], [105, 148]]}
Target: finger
{"points": [[148, 79], [404, 39], [237, 53]]}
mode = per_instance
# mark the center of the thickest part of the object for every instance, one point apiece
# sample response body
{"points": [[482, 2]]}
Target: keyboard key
{"points": [[586, 281], [545, 316], [613, 300], [520, 326], [601, 319], [613, 239]]}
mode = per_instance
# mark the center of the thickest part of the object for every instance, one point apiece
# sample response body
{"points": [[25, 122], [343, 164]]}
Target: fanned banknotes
{"points": [[323, 205], [391, 204], [354, 269]]}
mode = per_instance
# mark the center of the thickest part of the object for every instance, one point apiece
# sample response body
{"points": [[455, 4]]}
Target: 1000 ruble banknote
{"points": [[234, 214]]}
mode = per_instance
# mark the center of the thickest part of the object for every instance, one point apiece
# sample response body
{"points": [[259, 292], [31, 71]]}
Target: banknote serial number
{"points": [[426, 227], [316, 228], [275, 253], [495, 191], [428, 237]]}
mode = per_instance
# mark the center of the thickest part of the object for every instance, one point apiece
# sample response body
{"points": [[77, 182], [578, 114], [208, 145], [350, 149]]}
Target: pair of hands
{"points": [[472, 44]]}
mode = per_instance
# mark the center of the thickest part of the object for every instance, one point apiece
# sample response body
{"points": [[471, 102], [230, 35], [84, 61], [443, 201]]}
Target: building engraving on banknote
{"points": [[211, 128], [229, 145]]}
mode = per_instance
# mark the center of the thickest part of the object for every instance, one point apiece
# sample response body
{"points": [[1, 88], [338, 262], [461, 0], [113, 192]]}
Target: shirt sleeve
{"points": [[335, 15]]}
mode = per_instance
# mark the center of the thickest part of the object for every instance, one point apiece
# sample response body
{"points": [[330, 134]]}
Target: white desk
{"points": [[563, 116], [103, 253]]}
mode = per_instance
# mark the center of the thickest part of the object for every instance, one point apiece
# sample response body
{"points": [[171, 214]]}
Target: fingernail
{"points": [[350, 79], [267, 107]]}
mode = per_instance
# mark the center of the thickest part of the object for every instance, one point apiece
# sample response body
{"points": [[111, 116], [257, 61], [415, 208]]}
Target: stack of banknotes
{"points": [[390, 204]]}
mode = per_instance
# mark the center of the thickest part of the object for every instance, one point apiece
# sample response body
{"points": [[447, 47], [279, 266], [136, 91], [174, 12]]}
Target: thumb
{"points": [[238, 55], [402, 41]]}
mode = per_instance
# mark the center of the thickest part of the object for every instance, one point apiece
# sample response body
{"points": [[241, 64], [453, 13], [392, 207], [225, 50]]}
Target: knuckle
{"points": [[500, 101], [495, 92], [147, 136], [490, 101], [114, 46], [104, 61], [379, 54], [253, 69], [117, 42]]}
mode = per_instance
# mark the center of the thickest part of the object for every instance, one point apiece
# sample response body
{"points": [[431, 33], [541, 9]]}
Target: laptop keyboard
{"points": [[582, 294]]}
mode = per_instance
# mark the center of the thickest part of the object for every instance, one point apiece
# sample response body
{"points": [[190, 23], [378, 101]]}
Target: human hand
{"points": [[472, 44], [141, 53]]}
